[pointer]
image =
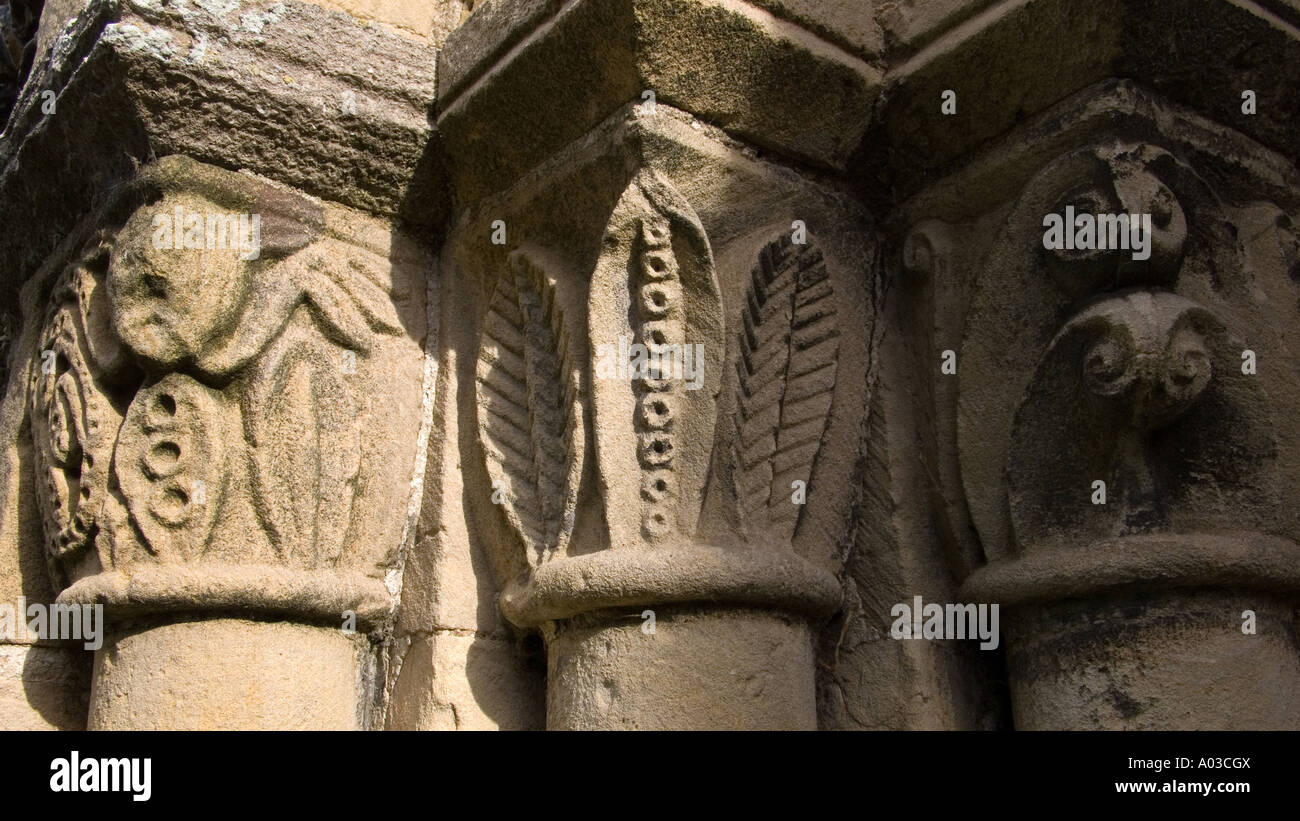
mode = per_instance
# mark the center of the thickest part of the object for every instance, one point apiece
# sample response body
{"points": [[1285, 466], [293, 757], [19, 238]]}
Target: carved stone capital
{"points": [[1122, 366], [667, 410], [621, 418], [224, 397], [1117, 406]]}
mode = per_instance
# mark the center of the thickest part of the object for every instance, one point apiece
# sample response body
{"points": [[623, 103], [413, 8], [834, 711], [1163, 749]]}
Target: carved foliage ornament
{"points": [[204, 401], [644, 411], [530, 420], [654, 293], [788, 344]]}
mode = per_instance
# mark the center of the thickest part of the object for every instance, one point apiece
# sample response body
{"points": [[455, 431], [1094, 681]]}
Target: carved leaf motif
{"points": [[300, 421], [786, 368], [527, 409], [348, 301]]}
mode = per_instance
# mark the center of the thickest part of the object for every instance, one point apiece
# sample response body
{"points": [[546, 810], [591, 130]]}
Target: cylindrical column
{"points": [[229, 674], [701, 670], [1155, 662], [225, 647], [693, 637], [1151, 632]]}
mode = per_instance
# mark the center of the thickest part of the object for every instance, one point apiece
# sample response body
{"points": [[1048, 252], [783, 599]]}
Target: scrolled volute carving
{"points": [[1143, 392], [1147, 358], [1107, 218]]}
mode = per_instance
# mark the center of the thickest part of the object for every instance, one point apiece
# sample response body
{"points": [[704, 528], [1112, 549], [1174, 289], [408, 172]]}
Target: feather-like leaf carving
{"points": [[786, 375], [529, 417]]}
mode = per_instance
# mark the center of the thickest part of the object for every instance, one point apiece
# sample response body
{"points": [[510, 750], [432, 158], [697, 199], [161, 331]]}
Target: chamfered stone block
{"points": [[555, 72], [303, 95]]}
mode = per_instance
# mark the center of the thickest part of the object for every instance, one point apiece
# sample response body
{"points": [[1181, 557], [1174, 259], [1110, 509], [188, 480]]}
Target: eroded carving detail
{"points": [[1135, 377], [658, 326], [1113, 428], [1140, 391], [170, 465], [74, 409]]}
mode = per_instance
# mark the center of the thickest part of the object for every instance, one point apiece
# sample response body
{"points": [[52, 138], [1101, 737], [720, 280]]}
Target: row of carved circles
{"points": [[659, 327]]}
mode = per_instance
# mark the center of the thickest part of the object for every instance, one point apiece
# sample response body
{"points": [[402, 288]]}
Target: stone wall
{"points": [[650, 364]]}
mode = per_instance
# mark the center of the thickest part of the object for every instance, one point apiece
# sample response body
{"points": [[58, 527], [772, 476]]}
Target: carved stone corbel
{"points": [[224, 403]]}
